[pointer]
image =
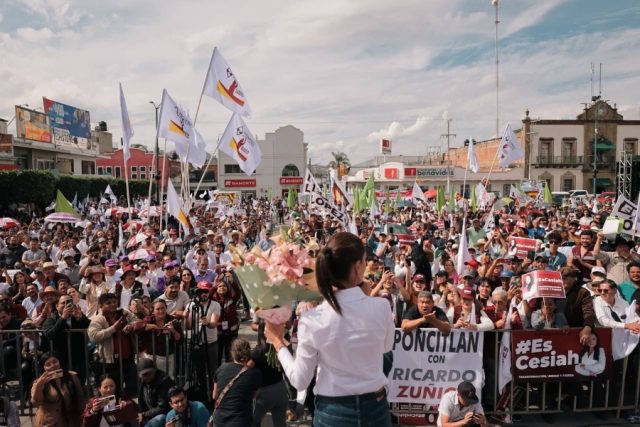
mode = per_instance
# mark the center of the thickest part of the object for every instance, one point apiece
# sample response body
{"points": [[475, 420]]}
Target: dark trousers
{"points": [[224, 346], [129, 375]]}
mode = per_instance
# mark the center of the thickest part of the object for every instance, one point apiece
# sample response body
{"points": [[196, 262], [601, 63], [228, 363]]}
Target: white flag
{"points": [[127, 130], [490, 222], [121, 242], [221, 84], [353, 228], [109, 192], [51, 207], [197, 152], [175, 124], [416, 193], [463, 248], [174, 207], [239, 144], [471, 156], [510, 149], [373, 212], [504, 356], [310, 184], [623, 341]]}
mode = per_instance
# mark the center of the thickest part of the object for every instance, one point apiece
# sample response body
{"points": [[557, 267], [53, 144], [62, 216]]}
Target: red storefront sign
{"points": [[410, 171], [291, 180], [234, 183], [391, 173]]}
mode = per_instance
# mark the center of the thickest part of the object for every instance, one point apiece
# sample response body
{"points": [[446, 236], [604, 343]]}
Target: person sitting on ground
{"points": [[153, 397], [185, 413], [461, 407], [96, 406]]}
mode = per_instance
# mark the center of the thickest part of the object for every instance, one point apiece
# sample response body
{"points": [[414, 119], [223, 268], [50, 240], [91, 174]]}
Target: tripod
{"points": [[198, 381]]}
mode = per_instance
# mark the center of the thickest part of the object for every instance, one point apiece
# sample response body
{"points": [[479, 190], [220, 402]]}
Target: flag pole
{"points": [[162, 178], [153, 173], [209, 163], [126, 181]]}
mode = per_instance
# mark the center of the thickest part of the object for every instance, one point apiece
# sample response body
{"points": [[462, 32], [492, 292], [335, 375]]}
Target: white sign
{"points": [[428, 363]]}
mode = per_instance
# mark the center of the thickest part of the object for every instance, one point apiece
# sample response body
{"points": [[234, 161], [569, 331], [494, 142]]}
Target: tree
{"points": [[339, 158]]}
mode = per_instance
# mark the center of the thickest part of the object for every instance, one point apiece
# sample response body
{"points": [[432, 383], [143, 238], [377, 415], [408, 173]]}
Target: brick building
{"points": [[139, 164]]}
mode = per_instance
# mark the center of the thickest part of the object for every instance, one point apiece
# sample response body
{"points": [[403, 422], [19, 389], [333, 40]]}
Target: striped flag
{"points": [[221, 84], [174, 207]]}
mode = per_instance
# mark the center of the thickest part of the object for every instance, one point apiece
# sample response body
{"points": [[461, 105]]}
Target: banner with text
{"points": [[542, 284], [557, 355], [625, 209], [428, 363], [521, 246]]}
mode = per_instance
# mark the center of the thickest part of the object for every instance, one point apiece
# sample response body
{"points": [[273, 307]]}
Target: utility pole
{"points": [[596, 112], [448, 135]]}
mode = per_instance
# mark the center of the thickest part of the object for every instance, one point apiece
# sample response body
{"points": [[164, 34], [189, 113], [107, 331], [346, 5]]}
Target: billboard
{"points": [[32, 125], [385, 146], [70, 126]]}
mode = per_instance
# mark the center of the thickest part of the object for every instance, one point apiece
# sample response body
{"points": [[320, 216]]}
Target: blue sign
{"points": [[70, 126]]}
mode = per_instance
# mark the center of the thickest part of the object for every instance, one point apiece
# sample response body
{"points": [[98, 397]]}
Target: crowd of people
{"points": [[142, 325]]}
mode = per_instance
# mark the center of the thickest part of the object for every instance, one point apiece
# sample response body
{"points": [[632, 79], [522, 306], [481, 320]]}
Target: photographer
{"points": [[461, 407], [203, 319], [69, 346]]}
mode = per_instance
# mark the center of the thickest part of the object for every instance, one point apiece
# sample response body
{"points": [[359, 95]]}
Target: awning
{"points": [[604, 182], [604, 145]]}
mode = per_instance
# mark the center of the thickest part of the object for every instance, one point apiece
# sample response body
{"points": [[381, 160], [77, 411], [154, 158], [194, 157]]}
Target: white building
{"points": [[284, 158], [562, 151]]}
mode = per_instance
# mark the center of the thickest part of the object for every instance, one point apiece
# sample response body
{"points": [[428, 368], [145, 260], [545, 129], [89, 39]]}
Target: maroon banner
{"points": [[521, 246], [230, 183], [291, 180], [557, 355], [542, 284]]}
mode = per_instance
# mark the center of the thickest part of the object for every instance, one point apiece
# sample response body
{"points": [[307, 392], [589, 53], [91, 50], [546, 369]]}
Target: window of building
{"points": [[630, 145], [568, 150], [546, 149], [506, 190], [234, 168], [290, 170], [109, 170], [100, 171], [117, 171], [567, 184], [88, 167], [134, 175], [45, 164], [465, 191], [134, 169]]}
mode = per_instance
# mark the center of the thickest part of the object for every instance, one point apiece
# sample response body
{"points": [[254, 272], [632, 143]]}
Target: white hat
{"points": [[599, 270]]}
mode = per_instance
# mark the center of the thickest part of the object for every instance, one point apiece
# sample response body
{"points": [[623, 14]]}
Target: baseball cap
{"points": [[468, 293], [467, 393], [506, 274], [67, 254], [472, 263], [145, 365], [418, 278], [110, 263], [599, 270]]}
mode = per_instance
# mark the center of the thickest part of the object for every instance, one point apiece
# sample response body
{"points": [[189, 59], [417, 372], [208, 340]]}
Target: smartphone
{"points": [[57, 373], [69, 303], [531, 255], [387, 269]]}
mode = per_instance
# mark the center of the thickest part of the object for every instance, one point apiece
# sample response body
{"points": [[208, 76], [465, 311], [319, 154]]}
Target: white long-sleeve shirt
{"points": [[589, 366], [347, 349], [603, 312]]}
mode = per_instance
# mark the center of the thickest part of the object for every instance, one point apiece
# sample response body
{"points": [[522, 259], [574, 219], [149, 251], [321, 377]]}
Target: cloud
{"points": [[32, 35], [397, 131]]}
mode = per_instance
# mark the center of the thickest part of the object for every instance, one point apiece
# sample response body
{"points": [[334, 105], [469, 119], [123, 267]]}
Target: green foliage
{"points": [[39, 187]]}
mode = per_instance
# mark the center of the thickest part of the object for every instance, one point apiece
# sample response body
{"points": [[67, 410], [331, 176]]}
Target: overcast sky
{"points": [[345, 72]]}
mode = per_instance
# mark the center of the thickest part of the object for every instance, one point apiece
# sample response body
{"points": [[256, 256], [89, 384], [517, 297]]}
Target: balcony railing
{"points": [[560, 160]]}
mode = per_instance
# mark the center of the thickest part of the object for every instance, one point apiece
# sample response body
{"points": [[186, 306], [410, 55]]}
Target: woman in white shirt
{"points": [[592, 358], [344, 338]]}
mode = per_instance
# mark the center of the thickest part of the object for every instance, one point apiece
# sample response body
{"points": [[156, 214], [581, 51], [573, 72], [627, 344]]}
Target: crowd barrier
{"points": [[426, 364]]}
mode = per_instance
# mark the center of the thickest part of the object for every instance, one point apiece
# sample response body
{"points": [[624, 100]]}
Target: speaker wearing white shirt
{"points": [[345, 338]]}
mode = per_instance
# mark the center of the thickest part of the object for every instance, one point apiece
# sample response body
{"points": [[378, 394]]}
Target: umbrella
{"points": [[503, 202], [430, 194], [133, 225], [138, 254], [61, 217], [137, 239], [119, 210], [8, 223], [153, 211], [406, 204]]}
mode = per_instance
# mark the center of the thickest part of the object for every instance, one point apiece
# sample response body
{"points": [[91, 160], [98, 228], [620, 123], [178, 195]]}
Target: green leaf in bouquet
{"points": [[261, 293]]}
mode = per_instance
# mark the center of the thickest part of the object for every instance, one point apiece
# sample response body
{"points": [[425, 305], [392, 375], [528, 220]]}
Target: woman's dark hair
{"points": [[70, 406], [596, 350], [334, 264], [192, 282], [240, 350], [104, 377]]}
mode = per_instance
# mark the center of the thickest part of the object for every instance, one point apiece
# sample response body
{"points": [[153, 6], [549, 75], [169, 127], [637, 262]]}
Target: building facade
{"points": [[139, 165], [568, 155], [284, 156]]}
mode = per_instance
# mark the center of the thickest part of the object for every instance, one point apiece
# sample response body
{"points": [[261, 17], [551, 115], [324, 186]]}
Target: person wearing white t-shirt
{"points": [[176, 299], [461, 407]]}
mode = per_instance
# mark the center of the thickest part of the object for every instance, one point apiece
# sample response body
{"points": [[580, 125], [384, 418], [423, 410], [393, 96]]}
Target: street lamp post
{"points": [[157, 176]]}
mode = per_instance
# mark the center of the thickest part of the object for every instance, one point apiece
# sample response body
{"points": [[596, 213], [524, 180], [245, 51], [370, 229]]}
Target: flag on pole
{"points": [[398, 200], [310, 184], [353, 228], [74, 202], [547, 194], [291, 199], [471, 156], [452, 203], [109, 192], [339, 193], [373, 212], [174, 123], [416, 193], [387, 204], [174, 207], [127, 130], [509, 150], [356, 201], [474, 202], [63, 205], [51, 206], [440, 199], [635, 221], [490, 223], [504, 357], [463, 248], [197, 154], [221, 84], [238, 143]]}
